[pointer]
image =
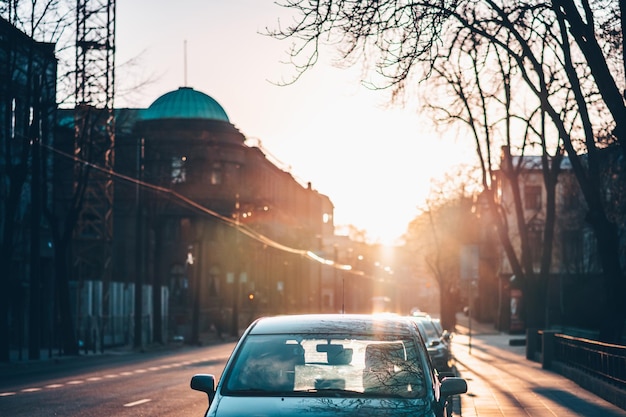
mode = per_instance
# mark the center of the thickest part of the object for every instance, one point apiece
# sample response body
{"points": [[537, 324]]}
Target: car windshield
{"points": [[326, 365], [427, 329], [431, 330]]}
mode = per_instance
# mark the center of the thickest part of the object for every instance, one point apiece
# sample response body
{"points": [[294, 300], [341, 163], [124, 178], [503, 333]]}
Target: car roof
{"points": [[423, 319], [333, 324], [422, 322]]}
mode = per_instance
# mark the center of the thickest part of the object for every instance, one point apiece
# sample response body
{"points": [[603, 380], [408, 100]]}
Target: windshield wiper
{"points": [[336, 392]]}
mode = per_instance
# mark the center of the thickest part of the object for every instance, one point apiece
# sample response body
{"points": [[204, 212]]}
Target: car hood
{"points": [[319, 407]]}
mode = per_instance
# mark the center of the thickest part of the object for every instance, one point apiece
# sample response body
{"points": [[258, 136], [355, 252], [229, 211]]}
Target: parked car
{"points": [[443, 333], [439, 348], [329, 365]]}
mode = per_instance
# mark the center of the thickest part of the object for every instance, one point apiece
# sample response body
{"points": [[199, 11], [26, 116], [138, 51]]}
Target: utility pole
{"points": [[34, 328]]}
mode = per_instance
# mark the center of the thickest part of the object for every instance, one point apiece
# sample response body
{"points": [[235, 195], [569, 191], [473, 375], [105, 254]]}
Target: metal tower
{"points": [[95, 138]]}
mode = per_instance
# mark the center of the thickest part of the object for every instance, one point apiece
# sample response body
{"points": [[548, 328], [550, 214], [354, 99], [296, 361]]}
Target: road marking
{"points": [[128, 373], [145, 400]]}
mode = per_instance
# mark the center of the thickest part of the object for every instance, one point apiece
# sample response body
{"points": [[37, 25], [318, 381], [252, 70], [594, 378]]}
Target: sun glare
{"points": [[374, 162]]}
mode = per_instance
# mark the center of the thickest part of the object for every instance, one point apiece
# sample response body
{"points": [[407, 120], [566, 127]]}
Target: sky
{"points": [[374, 162]]}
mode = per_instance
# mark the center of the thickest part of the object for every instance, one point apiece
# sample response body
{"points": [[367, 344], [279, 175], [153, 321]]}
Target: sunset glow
{"points": [[375, 163]]}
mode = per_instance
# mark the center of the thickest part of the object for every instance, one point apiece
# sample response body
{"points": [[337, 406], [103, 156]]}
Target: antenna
{"points": [[185, 63]]}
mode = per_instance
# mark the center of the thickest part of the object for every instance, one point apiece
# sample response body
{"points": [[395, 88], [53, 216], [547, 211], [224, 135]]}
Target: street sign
{"points": [[469, 263]]}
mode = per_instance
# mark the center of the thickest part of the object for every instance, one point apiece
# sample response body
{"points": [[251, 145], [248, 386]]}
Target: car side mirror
{"points": [[204, 383], [446, 335], [452, 386]]}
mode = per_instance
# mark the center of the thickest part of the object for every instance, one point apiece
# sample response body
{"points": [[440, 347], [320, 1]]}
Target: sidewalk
{"points": [[502, 382], [50, 358]]}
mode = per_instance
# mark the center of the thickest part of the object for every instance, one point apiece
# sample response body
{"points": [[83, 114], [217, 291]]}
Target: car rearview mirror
{"points": [[335, 354], [204, 383], [452, 386]]}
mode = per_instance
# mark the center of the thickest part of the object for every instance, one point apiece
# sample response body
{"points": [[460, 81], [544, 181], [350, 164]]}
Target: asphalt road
{"points": [[151, 384], [500, 382]]}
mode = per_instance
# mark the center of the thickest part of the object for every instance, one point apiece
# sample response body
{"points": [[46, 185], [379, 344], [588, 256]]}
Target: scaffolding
{"points": [[94, 140]]}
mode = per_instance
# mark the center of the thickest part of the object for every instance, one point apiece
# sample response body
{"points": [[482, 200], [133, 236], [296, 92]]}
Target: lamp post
{"points": [[469, 275], [234, 324], [194, 275], [236, 280], [335, 255]]}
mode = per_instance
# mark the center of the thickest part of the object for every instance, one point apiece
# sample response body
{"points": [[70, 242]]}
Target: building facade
{"points": [[27, 117], [574, 295], [216, 230], [209, 231]]}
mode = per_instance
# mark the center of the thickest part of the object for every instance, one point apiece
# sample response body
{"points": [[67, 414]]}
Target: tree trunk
{"points": [[449, 302], [534, 304], [614, 311]]}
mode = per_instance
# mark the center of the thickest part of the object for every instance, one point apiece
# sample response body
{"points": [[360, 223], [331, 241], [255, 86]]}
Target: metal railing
{"points": [[602, 360]]}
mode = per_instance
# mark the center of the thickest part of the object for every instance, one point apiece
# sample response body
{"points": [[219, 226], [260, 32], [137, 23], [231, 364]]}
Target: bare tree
{"points": [[474, 89], [564, 51], [436, 236]]}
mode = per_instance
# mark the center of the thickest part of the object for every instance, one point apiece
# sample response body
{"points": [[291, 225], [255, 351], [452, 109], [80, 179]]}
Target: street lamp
{"points": [[195, 276]]}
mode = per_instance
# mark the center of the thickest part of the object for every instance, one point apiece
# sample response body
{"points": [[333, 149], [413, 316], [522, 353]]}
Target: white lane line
{"points": [[145, 400], [77, 382]]}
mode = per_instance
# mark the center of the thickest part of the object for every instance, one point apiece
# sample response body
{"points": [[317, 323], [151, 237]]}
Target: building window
{"points": [[13, 118], [179, 284], [532, 197], [572, 250], [591, 258], [570, 200], [214, 283], [535, 242], [179, 171], [215, 177]]}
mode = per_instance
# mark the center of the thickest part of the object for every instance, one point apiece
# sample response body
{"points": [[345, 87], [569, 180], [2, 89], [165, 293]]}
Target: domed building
{"points": [[221, 224], [185, 103]]}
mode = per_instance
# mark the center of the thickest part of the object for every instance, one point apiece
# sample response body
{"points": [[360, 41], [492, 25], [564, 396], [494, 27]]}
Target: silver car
{"points": [[329, 365]]}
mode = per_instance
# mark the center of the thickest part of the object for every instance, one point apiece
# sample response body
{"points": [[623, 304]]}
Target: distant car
{"points": [[329, 365], [439, 347], [445, 334]]}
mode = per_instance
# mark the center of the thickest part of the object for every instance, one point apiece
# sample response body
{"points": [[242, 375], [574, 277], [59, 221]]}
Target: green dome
{"points": [[185, 103]]}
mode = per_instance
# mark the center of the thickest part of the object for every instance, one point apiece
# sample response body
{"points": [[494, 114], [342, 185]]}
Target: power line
{"points": [[309, 254]]}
